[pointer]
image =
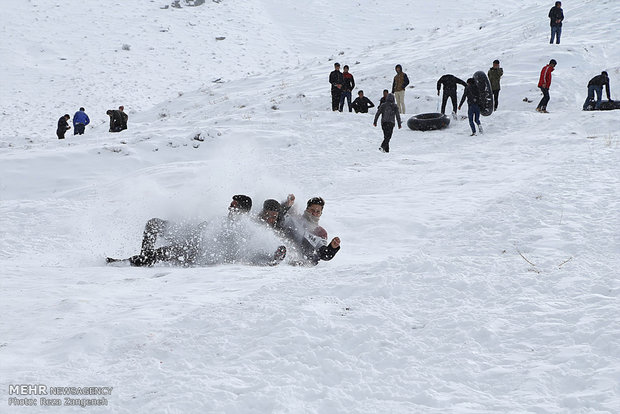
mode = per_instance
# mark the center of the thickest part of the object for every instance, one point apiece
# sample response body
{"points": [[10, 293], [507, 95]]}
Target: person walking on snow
{"points": [[449, 83], [596, 85], [544, 83], [336, 80], [80, 120], [63, 126], [388, 111], [401, 80], [362, 103], [495, 73], [556, 16], [472, 94], [348, 84]]}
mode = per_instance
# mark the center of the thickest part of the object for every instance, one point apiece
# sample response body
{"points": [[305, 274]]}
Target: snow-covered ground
{"points": [[477, 274]]}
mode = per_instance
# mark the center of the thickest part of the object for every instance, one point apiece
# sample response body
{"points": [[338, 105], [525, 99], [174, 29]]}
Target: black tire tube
{"points": [[428, 122]]}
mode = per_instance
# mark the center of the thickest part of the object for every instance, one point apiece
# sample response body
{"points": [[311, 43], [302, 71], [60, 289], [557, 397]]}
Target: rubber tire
{"points": [[609, 105], [428, 122], [485, 99]]}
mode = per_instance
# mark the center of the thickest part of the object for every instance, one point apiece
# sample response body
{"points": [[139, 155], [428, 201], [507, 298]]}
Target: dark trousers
{"points": [[556, 31], [179, 253], [495, 99], [444, 100], [60, 133], [78, 129], [473, 113], [545, 99], [345, 95], [335, 99], [388, 129]]}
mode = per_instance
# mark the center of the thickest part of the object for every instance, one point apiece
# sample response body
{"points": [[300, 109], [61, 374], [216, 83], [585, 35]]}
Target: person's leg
{"points": [[335, 99], [553, 31], [470, 116], [153, 228], [388, 129], [453, 98], [495, 99], [590, 97], [545, 99], [400, 101], [60, 134], [477, 117], [599, 96], [341, 101], [558, 33], [348, 96], [444, 100]]}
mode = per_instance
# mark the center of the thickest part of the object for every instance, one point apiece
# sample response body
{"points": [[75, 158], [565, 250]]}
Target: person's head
{"points": [[345, 68], [109, 112], [398, 68], [360, 94], [558, 4], [270, 213], [390, 98], [605, 74], [337, 66], [240, 204], [471, 81], [314, 209], [552, 62], [121, 108], [82, 109], [496, 63], [67, 117], [385, 93]]}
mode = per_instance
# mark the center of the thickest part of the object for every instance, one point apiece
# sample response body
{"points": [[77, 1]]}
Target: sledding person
{"points": [[556, 16], [388, 111], [336, 80], [472, 93], [398, 87], [304, 231], [449, 83], [63, 126], [348, 84], [271, 214], [596, 85], [544, 83], [184, 246], [124, 117], [116, 120], [362, 103], [495, 73], [80, 120]]}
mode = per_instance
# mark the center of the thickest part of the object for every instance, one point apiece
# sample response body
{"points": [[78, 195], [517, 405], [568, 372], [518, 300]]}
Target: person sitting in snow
{"points": [[362, 103], [304, 231]]}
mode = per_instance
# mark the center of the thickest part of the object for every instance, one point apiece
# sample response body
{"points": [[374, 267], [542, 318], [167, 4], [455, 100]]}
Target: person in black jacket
{"points": [[556, 16], [348, 84], [63, 126], [384, 97], [336, 80], [389, 112], [449, 83], [596, 85], [116, 120], [362, 103], [472, 93], [124, 117]]}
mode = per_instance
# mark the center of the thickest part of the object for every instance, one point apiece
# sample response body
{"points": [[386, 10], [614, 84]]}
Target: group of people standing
{"points": [[118, 122]]}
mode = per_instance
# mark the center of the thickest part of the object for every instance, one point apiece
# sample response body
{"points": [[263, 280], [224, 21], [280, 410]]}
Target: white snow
{"points": [[477, 274]]}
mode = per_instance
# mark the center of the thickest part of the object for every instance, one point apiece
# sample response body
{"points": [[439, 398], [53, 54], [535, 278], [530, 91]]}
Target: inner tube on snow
{"points": [[428, 122], [485, 99], [609, 105]]}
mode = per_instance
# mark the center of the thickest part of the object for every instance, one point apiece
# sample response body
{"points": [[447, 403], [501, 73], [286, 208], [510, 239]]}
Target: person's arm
{"points": [[439, 84], [405, 81], [398, 118], [607, 90], [393, 84], [464, 97], [379, 111], [352, 82], [369, 102], [87, 120], [501, 72], [328, 252], [460, 81]]}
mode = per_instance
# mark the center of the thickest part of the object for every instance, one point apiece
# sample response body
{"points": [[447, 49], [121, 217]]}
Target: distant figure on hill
{"points": [[124, 117], [556, 16], [401, 80], [348, 84], [596, 85], [449, 83], [80, 120], [362, 103], [384, 97], [472, 94], [544, 83], [336, 80], [388, 111], [63, 126], [118, 122], [495, 73]]}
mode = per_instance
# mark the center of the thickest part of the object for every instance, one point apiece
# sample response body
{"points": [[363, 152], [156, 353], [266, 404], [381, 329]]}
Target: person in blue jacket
{"points": [[80, 120]]}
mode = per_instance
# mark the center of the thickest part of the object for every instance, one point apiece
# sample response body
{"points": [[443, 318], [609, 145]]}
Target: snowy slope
{"points": [[477, 274]]}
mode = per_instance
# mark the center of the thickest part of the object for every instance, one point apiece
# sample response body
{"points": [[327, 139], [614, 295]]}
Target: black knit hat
{"points": [[244, 202], [272, 205]]}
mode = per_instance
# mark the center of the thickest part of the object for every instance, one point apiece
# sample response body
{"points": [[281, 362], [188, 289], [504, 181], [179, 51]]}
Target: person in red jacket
{"points": [[544, 83]]}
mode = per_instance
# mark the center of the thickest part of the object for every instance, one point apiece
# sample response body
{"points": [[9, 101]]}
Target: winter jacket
{"points": [[335, 78], [115, 120], [124, 119], [400, 82], [545, 77], [556, 13], [388, 111], [472, 94], [601, 80], [362, 104], [62, 124], [449, 83], [494, 75], [348, 83], [309, 237], [80, 117]]}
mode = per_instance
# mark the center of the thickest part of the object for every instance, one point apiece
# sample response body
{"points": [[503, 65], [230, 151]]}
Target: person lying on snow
{"points": [[188, 247], [309, 238]]}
